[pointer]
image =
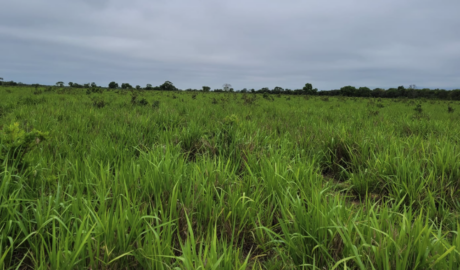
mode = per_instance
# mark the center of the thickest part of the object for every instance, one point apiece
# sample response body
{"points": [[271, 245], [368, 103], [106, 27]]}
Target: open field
{"points": [[188, 180]]}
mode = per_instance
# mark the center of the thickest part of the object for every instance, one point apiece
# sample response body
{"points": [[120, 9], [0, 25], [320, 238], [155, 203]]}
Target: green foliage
{"points": [[418, 108], [16, 143], [156, 104], [113, 85], [309, 90], [126, 86], [167, 86], [231, 120], [98, 102]]}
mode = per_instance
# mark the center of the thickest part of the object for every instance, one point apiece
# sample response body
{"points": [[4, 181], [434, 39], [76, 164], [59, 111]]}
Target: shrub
{"points": [[143, 102], [2, 111], [373, 113], [99, 102], [231, 120], [31, 101], [156, 104], [15, 143]]}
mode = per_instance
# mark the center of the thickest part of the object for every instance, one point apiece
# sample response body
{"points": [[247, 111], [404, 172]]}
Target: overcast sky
{"points": [[252, 44]]}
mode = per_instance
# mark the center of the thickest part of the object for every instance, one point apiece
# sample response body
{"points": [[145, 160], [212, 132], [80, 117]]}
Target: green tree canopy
{"points": [[168, 86], [113, 85]]}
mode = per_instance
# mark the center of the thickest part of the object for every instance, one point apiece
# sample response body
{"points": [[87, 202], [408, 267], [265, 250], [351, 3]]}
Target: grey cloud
{"points": [[248, 44]]}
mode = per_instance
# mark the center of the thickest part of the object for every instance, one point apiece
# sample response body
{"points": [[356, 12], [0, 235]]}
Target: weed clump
{"points": [[15, 143], [31, 101], [373, 113], [231, 120], [337, 159], [156, 104], [3, 111], [136, 101], [99, 102]]}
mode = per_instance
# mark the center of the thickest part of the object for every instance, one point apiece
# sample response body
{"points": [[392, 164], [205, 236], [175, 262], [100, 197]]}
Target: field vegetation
{"points": [[132, 179]]}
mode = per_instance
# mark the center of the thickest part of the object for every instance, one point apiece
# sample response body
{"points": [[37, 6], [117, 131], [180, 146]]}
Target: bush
{"points": [[143, 102], [99, 102], [418, 108], [15, 143], [156, 104]]}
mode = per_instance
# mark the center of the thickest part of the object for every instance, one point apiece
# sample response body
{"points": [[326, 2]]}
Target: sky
{"points": [[248, 44]]}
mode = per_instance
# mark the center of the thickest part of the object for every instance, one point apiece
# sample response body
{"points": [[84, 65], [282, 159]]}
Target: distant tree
{"points": [[309, 90], [138, 87], [364, 92], [86, 85], [148, 87], [278, 89], [348, 91], [93, 84], [308, 87], [244, 90], [113, 85], [378, 92], [167, 86], [70, 84], [206, 88], [454, 94], [264, 90], [401, 91], [226, 87], [126, 86], [60, 84]]}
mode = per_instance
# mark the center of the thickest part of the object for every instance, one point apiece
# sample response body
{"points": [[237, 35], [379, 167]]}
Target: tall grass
{"points": [[222, 181]]}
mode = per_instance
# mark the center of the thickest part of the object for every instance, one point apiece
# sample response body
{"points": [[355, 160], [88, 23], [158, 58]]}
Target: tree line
{"points": [[349, 91]]}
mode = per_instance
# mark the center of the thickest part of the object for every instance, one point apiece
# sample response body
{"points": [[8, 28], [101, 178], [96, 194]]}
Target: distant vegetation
{"points": [[122, 177], [349, 91]]}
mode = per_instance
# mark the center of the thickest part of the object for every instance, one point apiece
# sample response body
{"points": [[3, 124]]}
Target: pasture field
{"points": [[190, 180]]}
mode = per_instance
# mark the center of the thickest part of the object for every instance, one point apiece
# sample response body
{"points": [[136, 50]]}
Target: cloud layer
{"points": [[252, 44]]}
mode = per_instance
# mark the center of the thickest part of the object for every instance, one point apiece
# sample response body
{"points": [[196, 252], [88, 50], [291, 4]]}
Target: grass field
{"points": [[187, 180]]}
